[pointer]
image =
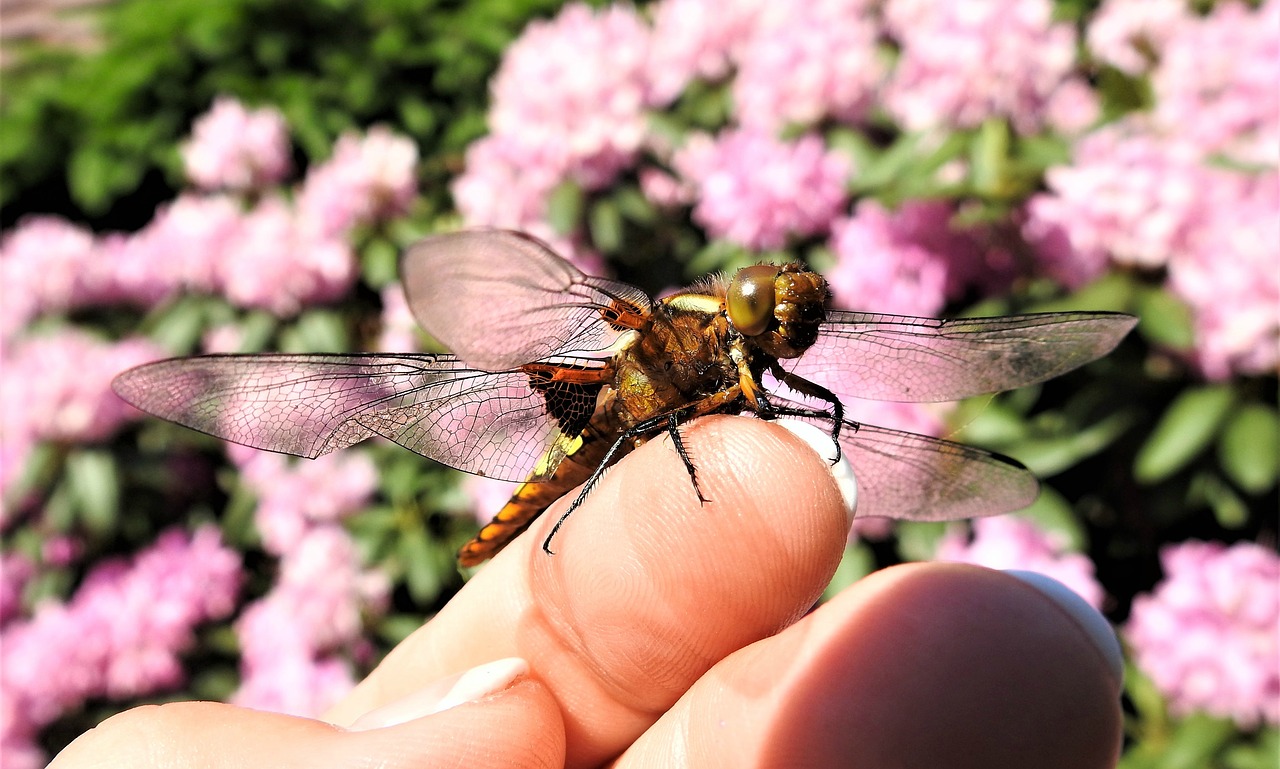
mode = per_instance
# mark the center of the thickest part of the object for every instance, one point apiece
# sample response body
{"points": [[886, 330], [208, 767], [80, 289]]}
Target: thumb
{"points": [[519, 726]]}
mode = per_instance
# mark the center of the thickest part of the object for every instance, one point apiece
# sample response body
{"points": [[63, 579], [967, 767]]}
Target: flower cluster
{"points": [[909, 261], [295, 497], [757, 191], [962, 63], [119, 636], [568, 103], [827, 50], [1150, 192], [277, 255], [1009, 542], [1207, 635], [57, 388], [292, 640], [237, 149]]}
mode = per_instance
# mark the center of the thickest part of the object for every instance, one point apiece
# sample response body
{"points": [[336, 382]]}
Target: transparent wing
{"points": [[918, 478], [498, 299], [489, 423], [900, 358]]}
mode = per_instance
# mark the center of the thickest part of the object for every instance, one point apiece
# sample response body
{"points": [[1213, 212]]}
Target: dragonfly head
{"points": [[778, 308]]}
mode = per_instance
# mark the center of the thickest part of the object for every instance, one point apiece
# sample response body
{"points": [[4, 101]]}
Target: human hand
{"points": [[665, 633]]}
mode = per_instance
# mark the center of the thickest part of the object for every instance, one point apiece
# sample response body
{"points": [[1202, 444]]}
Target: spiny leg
{"points": [[671, 422], [813, 390]]}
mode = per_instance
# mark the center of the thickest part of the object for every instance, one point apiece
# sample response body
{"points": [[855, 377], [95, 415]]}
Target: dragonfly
{"points": [[556, 375]]}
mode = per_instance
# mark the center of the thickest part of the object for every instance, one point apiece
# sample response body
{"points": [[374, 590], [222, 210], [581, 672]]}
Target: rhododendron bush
{"points": [[930, 159]]}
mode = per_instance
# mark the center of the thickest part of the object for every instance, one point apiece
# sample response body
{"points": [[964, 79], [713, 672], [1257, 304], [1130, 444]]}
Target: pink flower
{"points": [[506, 184], [295, 497], [962, 63], [571, 92], [289, 638], [1009, 542], [757, 191], [808, 61], [1227, 275], [399, 328], [44, 264], [121, 633], [58, 388], [181, 248], [1207, 635], [1129, 34], [1215, 85], [908, 261], [1128, 196], [368, 179], [15, 571], [278, 264], [695, 39], [236, 149]]}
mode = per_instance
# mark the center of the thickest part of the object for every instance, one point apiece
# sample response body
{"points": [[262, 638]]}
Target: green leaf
{"points": [[918, 540], [315, 331], [1052, 512], [1249, 449], [606, 226], [179, 326], [858, 561], [1050, 456], [564, 207], [379, 263], [94, 483], [1185, 430], [1196, 740], [422, 576], [1166, 321]]}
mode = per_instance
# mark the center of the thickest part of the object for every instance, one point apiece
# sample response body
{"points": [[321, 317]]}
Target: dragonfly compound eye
{"points": [[750, 299]]}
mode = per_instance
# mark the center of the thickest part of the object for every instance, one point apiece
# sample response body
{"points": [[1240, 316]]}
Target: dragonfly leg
{"points": [[814, 390], [671, 423]]}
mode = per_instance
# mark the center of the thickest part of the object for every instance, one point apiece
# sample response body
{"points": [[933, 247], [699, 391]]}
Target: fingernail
{"points": [[821, 442], [467, 686], [1094, 625]]}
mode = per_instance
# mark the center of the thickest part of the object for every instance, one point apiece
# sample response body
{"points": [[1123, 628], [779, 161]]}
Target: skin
{"points": [[668, 634]]}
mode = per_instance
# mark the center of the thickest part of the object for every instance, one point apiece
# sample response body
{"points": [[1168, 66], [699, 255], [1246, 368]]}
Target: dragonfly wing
{"points": [[496, 424], [918, 478], [900, 358], [498, 299]]}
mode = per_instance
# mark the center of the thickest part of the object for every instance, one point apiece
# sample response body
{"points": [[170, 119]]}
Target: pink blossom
{"points": [[1128, 196], [1129, 34], [368, 179], [757, 191], [487, 495], [399, 328], [695, 39], [182, 246], [1227, 275], [277, 263], [505, 184], [568, 104], [962, 63], [58, 388], [15, 571], [289, 639], [1009, 542], [1215, 85], [121, 633], [295, 497], [1207, 635], [44, 266], [808, 61], [909, 261], [237, 149]]}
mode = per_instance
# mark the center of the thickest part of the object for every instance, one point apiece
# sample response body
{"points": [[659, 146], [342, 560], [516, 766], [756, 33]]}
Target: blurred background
{"points": [[180, 177]]}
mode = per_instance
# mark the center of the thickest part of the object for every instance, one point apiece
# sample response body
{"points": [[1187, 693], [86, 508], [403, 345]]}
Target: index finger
{"points": [[648, 589]]}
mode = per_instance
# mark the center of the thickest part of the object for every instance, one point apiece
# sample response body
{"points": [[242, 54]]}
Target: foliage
{"points": [[1172, 439]]}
